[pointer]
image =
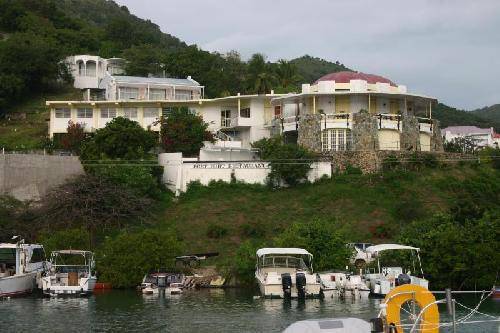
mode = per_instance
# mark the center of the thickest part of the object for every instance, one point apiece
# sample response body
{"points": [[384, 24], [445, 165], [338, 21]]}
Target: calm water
{"points": [[194, 311]]}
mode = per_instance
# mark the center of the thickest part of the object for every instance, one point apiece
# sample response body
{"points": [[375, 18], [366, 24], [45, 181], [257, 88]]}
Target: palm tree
{"points": [[287, 74]]}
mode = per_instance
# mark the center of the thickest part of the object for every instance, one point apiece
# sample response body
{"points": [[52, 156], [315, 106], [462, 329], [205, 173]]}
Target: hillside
{"points": [[312, 68], [486, 117]]}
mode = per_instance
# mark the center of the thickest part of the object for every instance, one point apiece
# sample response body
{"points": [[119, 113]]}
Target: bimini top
{"points": [[82, 252], [385, 247], [346, 77], [281, 250]]}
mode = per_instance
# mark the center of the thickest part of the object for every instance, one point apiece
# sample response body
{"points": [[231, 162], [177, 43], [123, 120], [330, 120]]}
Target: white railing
{"points": [[389, 121]]}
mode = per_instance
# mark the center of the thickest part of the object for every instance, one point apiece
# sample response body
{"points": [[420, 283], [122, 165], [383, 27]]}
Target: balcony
{"points": [[425, 125], [336, 120], [389, 121]]}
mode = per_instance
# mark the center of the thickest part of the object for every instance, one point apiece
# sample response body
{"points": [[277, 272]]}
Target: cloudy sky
{"points": [[445, 48]]}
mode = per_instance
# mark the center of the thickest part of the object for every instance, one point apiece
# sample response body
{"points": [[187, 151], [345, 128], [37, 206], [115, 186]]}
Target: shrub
{"points": [[454, 254], [184, 132], [216, 231], [352, 170], [491, 156], [243, 265], [323, 238], [429, 160], [290, 163], [124, 259], [74, 137], [76, 239], [120, 139]]}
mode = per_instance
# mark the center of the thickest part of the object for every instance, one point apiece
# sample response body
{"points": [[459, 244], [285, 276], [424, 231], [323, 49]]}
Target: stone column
{"points": [[410, 135], [364, 132], [436, 137], [309, 135]]}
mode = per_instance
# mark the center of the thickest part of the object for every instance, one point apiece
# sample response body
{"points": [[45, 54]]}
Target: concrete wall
{"points": [[29, 177], [179, 172]]}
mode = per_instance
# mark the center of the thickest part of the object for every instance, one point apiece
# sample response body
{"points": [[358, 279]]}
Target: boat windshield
{"points": [[283, 261], [65, 263]]}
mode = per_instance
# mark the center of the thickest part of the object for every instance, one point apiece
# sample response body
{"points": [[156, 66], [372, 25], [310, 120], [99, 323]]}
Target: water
{"points": [[232, 310]]}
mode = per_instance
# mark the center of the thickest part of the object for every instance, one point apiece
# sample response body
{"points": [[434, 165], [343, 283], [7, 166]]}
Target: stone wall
{"points": [[364, 132], [410, 135], [29, 177], [373, 161], [309, 135]]}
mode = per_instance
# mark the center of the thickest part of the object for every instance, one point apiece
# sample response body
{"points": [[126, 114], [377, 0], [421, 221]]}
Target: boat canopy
{"points": [[385, 247], [282, 250], [72, 252]]}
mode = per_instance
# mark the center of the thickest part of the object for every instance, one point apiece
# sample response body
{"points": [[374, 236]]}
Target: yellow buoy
{"points": [[396, 298]]}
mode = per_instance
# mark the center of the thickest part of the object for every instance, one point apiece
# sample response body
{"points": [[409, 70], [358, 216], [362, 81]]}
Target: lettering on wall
{"points": [[233, 165]]}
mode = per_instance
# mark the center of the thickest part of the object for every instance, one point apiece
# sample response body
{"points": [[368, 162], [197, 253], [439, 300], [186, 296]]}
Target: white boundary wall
{"points": [[178, 172]]}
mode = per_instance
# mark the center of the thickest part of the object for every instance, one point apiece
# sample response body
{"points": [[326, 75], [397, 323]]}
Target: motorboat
{"points": [[386, 278], [21, 267], [343, 285], [332, 284], [355, 287], [159, 280], [72, 272], [286, 273]]}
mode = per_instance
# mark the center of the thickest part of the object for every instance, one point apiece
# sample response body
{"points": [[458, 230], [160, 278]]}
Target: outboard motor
{"points": [[286, 283], [300, 283], [403, 279]]}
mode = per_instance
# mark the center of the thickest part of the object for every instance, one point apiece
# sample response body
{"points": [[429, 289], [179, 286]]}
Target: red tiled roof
{"points": [[346, 77]]}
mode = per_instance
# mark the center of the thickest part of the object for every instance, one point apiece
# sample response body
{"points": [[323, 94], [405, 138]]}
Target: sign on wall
{"points": [[232, 165]]}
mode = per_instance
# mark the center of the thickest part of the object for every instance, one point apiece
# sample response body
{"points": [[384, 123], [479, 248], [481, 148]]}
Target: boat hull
{"points": [[17, 284], [276, 290], [85, 288]]}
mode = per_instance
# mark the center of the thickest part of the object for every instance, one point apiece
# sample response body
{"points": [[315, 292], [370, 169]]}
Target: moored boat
{"points": [[158, 280], [71, 273], [286, 273], [386, 278], [21, 267]]}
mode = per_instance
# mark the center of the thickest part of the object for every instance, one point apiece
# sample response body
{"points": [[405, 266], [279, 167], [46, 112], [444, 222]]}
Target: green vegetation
{"points": [[312, 68], [442, 209], [184, 132], [448, 116], [290, 163]]}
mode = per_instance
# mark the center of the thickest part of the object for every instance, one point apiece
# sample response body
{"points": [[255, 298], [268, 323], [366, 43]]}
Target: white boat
{"points": [[343, 285], [286, 272], [387, 278], [21, 267], [149, 288], [153, 282], [71, 273], [174, 288]]}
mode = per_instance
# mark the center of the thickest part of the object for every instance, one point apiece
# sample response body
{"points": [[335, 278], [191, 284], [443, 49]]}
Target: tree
{"points": [[74, 137], [143, 60], [467, 145], [287, 74], [290, 163], [185, 132], [120, 139], [93, 203], [260, 76], [123, 260], [323, 238]]}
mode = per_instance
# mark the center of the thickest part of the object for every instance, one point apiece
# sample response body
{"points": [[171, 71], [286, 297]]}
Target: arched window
{"points": [[81, 67], [336, 139], [91, 68]]}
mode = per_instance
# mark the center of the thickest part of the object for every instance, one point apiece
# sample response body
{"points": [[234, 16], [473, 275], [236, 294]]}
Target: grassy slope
{"points": [[29, 133], [358, 202]]}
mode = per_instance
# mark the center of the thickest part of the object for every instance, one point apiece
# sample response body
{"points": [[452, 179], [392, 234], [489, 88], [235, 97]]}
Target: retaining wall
{"points": [[29, 177]]}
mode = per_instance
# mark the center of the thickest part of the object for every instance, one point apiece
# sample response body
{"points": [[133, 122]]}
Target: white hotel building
{"points": [[341, 111]]}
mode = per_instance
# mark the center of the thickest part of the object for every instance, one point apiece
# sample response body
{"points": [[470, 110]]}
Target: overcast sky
{"points": [[449, 49]]}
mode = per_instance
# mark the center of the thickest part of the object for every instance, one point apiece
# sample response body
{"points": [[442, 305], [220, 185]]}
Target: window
{"points": [[245, 113], [84, 113], [129, 93], [165, 112], [108, 113], [150, 112], [37, 255], [277, 111], [225, 118], [336, 140], [63, 113], [130, 113], [183, 95], [157, 94]]}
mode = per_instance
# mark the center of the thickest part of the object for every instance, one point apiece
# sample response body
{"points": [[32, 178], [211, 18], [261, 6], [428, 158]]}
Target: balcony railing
{"points": [[389, 121]]}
